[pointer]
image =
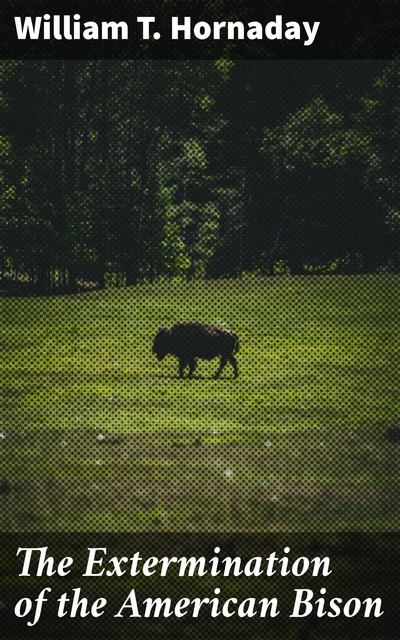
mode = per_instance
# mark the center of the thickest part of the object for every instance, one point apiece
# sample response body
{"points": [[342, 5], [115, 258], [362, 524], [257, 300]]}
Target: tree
{"points": [[329, 211], [380, 116]]}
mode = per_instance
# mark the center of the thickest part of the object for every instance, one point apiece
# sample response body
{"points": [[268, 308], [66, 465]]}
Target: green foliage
{"points": [[335, 212], [131, 171], [191, 233]]}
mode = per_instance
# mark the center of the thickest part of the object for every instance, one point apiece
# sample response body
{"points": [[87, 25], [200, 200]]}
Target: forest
{"points": [[120, 172]]}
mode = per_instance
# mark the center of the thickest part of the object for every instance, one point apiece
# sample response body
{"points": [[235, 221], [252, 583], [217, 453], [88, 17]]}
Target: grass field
{"points": [[97, 435]]}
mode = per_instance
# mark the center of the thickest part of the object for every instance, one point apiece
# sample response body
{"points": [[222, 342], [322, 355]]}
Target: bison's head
{"points": [[161, 343]]}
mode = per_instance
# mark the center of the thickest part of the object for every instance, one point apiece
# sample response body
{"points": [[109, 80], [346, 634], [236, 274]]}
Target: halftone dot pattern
{"points": [[118, 234], [95, 433]]}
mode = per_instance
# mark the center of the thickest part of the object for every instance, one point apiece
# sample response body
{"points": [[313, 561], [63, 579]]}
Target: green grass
{"points": [[297, 442]]}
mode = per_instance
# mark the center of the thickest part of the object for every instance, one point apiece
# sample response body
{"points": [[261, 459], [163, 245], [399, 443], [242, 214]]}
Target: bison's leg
{"points": [[192, 367], [182, 367], [223, 361], [233, 362]]}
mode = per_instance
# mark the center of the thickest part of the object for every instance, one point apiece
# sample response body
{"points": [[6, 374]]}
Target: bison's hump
{"points": [[196, 339], [198, 327]]}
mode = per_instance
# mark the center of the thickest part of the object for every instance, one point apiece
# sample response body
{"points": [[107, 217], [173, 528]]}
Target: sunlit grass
{"points": [[296, 442]]}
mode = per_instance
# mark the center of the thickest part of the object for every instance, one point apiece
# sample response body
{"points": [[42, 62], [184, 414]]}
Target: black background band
{"points": [[348, 29]]}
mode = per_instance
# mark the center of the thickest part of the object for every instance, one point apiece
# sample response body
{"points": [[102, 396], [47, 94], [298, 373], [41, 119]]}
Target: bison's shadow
{"points": [[196, 376]]}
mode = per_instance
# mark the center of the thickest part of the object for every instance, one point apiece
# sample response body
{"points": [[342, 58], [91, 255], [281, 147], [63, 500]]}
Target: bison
{"points": [[190, 340]]}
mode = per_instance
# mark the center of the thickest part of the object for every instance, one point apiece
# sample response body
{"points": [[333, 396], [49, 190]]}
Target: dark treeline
{"points": [[119, 172]]}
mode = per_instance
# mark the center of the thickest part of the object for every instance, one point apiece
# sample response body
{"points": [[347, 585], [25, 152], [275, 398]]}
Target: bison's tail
{"points": [[237, 346]]}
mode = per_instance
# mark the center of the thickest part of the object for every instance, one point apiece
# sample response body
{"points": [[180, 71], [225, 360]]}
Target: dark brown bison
{"points": [[190, 340]]}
